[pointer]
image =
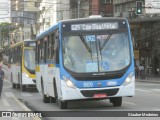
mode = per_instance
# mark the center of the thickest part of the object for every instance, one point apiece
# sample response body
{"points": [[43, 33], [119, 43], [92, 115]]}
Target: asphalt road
{"points": [[147, 98]]}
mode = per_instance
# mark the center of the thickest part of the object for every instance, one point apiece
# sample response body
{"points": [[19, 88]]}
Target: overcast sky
{"points": [[4, 10]]}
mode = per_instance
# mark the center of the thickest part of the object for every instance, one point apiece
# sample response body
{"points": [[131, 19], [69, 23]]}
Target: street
{"points": [[146, 99], [59, 59], [147, 96]]}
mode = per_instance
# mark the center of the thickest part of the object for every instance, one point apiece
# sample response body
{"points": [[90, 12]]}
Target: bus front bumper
{"points": [[89, 93]]}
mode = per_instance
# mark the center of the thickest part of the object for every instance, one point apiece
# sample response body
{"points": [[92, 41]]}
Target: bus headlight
{"points": [[68, 82], [129, 79], [26, 75]]}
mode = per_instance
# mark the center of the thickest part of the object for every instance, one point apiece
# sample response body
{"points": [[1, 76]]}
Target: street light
{"points": [[47, 11], [43, 14]]}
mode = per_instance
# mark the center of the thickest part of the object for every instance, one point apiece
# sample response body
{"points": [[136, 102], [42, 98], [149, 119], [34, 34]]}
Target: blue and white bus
{"points": [[85, 59]]}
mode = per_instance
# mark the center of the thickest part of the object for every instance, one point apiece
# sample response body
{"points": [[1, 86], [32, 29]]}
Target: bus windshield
{"points": [[29, 57], [96, 52]]}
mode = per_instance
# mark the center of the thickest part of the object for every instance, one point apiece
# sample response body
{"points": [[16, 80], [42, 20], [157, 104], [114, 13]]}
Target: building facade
{"points": [[23, 19]]}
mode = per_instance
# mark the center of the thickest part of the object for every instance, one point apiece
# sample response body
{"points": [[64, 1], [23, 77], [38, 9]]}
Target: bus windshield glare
{"points": [[29, 59], [96, 52]]}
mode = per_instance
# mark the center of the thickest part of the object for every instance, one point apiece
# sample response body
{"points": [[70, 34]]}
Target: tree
{"points": [[4, 33]]}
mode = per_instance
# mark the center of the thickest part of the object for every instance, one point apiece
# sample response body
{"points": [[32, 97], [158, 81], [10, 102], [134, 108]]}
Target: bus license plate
{"points": [[101, 95]]}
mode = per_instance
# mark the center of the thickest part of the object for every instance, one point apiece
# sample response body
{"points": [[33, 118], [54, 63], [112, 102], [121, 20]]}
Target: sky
{"points": [[4, 10]]}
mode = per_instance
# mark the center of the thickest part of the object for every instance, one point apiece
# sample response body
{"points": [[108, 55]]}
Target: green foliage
{"points": [[4, 33]]}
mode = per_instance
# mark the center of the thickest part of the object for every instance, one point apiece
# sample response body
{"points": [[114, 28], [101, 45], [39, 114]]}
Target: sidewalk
{"points": [[9, 104], [149, 80]]}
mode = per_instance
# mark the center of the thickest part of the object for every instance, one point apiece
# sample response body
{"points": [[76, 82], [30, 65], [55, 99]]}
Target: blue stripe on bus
{"points": [[95, 83]]}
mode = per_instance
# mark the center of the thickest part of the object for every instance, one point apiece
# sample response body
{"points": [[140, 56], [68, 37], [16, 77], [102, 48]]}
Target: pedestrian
{"points": [[136, 71], [141, 71], [1, 79]]}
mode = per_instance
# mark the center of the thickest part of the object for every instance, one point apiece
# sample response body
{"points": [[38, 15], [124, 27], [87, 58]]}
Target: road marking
{"points": [[21, 104], [25, 108], [158, 90], [7, 87], [9, 94], [5, 102], [7, 81], [147, 84], [143, 90], [15, 118], [157, 109], [26, 94], [130, 103]]}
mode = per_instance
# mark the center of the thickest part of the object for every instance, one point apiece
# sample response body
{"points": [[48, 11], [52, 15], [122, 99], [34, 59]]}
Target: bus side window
{"points": [[38, 51], [49, 46], [19, 48], [45, 48], [41, 50], [56, 48], [52, 45]]}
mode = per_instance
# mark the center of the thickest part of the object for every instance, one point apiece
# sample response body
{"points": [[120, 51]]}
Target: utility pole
{"points": [[9, 41], [1, 35], [78, 6]]}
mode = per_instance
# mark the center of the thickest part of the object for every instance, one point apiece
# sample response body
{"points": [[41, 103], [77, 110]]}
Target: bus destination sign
{"points": [[94, 26]]}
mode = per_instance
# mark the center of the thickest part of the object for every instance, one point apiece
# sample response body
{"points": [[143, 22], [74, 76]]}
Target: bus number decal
{"points": [[88, 84], [111, 83]]}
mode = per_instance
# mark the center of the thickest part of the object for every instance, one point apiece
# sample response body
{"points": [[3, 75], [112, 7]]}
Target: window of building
{"points": [[106, 1]]}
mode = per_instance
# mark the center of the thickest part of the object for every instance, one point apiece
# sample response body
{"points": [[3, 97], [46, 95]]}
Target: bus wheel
{"points": [[63, 104], [54, 99], [13, 85], [116, 101], [18, 86], [46, 99], [23, 87]]}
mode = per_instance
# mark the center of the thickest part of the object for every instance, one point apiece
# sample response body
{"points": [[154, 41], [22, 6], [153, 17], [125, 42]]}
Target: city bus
{"points": [[22, 64], [85, 59]]}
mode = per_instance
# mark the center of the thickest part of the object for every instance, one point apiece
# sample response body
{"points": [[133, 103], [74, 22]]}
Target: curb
{"points": [[149, 81], [24, 106]]}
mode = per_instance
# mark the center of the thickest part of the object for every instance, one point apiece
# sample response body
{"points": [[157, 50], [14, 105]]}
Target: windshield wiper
{"points": [[84, 42], [106, 40]]}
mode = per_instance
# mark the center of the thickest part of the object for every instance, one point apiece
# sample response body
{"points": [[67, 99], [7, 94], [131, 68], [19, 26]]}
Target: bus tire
{"points": [[63, 104], [18, 86], [54, 99], [13, 85], [42, 86], [116, 101], [23, 87], [46, 99]]}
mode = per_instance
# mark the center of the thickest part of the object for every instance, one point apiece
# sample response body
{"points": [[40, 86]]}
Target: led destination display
{"points": [[94, 26]]}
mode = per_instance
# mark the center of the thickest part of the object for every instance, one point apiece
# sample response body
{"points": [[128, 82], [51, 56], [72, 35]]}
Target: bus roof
{"points": [[50, 29]]}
